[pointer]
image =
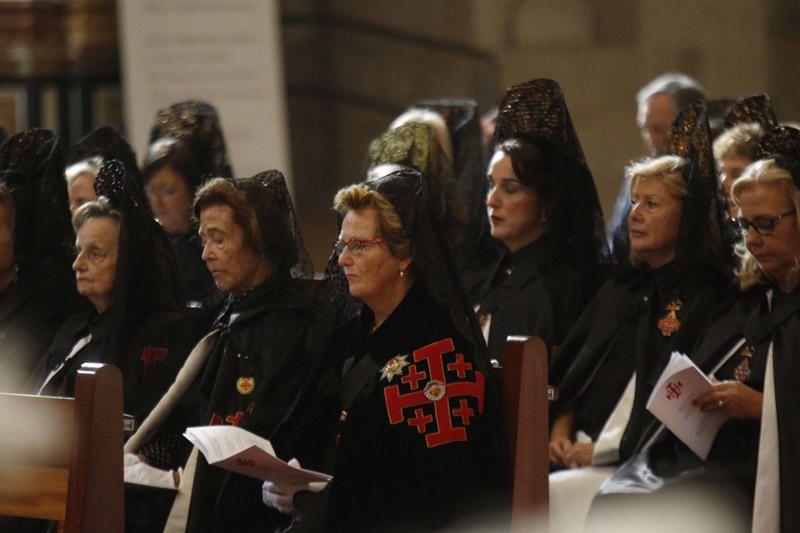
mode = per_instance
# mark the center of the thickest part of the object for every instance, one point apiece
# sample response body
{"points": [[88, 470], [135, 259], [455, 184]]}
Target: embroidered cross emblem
{"points": [[234, 419], [413, 377], [443, 431], [149, 356]]}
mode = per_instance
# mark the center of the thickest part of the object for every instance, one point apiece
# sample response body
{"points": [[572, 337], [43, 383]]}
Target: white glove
{"points": [[141, 473], [280, 496]]}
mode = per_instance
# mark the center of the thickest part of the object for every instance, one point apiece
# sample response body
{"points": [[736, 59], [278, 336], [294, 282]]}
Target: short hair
{"points": [[434, 121], [740, 140], [90, 165], [390, 226], [682, 88], [669, 169], [221, 191], [99, 208], [532, 163], [766, 171]]}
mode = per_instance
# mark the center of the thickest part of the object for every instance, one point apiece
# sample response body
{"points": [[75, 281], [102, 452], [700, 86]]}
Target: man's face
{"points": [[655, 118]]}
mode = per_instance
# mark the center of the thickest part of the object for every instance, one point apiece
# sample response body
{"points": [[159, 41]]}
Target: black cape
{"points": [[531, 292], [619, 333], [416, 452]]}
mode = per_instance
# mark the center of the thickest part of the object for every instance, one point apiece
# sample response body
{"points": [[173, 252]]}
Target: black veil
{"points": [[282, 242], [198, 124], [699, 238], [536, 111], [146, 278], [751, 109], [32, 168]]}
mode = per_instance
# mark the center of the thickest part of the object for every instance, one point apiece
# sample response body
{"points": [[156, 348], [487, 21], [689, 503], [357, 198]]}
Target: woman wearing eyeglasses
{"points": [[417, 447], [768, 196], [749, 479]]}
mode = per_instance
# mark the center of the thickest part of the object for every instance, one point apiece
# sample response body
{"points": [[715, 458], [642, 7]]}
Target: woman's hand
{"points": [[734, 398], [559, 448], [580, 454]]}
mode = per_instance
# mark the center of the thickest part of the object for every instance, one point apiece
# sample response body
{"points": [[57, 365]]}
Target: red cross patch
{"points": [[149, 356], [431, 392]]}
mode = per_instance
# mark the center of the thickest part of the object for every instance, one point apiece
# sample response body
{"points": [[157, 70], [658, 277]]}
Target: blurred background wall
{"points": [[351, 66]]}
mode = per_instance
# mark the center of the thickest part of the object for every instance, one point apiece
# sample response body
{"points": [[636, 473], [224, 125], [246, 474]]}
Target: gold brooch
{"points": [[669, 324], [394, 367]]}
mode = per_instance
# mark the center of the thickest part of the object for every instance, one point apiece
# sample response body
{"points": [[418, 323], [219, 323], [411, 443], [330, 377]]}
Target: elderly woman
{"points": [[543, 206], [125, 270], [417, 444], [768, 196], [609, 363], [80, 178], [251, 368], [186, 147]]}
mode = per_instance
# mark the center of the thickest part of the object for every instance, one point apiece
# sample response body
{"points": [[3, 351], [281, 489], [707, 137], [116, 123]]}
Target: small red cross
{"points": [[235, 419], [464, 411], [413, 377], [459, 366], [149, 356], [420, 420]]}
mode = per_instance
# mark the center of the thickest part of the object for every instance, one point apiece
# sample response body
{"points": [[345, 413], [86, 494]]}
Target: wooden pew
{"points": [[61, 458], [525, 398]]}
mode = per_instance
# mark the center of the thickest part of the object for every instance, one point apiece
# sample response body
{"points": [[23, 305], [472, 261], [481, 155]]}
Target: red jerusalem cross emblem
{"points": [[448, 400]]}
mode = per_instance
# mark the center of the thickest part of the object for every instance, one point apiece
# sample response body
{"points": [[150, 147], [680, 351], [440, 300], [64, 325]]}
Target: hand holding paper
{"points": [[672, 403], [238, 450]]}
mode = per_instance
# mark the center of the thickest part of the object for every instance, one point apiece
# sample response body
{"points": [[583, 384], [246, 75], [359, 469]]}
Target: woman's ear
{"points": [[406, 262]]}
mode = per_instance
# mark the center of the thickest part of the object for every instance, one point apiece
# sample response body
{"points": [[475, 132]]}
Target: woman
{"points": [[80, 178], [125, 270], [417, 444], [766, 194], [542, 205], [186, 147], [253, 365], [36, 289], [743, 343], [658, 304]]}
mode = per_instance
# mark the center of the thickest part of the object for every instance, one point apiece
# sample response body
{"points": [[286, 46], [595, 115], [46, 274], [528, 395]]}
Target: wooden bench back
{"points": [[525, 399], [61, 458]]}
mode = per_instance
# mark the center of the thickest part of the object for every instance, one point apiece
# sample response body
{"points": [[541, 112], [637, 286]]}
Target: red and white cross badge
{"points": [[447, 400]]}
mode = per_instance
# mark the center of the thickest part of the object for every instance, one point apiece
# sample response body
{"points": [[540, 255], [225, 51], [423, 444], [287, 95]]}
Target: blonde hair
{"points": [[764, 172], [740, 140], [668, 169], [390, 227]]}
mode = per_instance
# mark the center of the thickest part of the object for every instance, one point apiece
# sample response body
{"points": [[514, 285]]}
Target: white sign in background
{"points": [[225, 52]]}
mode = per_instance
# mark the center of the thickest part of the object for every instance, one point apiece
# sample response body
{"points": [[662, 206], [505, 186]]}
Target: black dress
{"points": [[741, 332], [622, 332], [157, 347], [254, 377], [531, 292], [416, 449]]}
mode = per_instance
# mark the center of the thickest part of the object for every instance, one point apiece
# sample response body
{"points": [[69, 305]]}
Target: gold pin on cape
{"points": [[742, 371], [669, 324], [245, 385], [394, 367]]}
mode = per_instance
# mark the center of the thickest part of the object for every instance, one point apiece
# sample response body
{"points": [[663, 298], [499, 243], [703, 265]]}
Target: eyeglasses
{"points": [[764, 225], [356, 246]]}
